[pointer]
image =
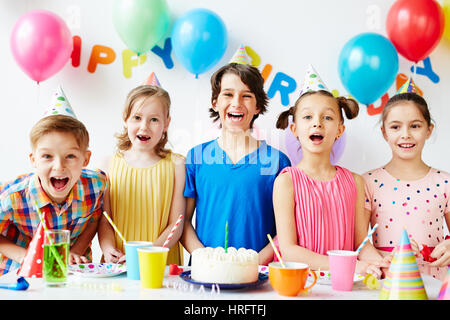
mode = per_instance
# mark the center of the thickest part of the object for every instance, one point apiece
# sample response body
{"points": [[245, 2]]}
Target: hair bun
{"points": [[350, 107]]}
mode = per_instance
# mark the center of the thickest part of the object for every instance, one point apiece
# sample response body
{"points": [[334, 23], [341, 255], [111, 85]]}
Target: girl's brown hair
{"points": [[412, 97], [350, 107], [142, 93], [250, 76], [60, 123]]}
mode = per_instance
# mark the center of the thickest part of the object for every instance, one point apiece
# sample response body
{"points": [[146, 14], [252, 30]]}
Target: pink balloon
{"points": [[41, 43]]}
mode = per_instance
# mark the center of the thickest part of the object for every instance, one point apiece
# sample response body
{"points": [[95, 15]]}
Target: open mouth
{"points": [[406, 146], [235, 116], [143, 138], [316, 138], [59, 183]]}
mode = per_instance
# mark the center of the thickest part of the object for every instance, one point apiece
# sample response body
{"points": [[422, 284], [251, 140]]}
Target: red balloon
{"points": [[415, 27]]}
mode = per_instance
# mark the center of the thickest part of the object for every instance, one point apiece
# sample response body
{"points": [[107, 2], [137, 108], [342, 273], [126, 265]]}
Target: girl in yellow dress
{"points": [[146, 180]]}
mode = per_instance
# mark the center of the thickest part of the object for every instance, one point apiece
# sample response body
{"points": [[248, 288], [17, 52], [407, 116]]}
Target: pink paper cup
{"points": [[342, 269]]}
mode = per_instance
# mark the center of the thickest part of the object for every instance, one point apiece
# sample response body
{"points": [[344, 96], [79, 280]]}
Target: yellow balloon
{"points": [[446, 9]]}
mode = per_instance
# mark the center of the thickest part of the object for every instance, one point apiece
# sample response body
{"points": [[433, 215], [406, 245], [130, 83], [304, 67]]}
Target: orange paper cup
{"points": [[290, 281]]}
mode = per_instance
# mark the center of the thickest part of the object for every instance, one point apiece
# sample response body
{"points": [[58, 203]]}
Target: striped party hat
{"points": [[403, 280], [241, 56], [408, 86], [59, 105], [444, 293], [312, 81], [152, 80]]}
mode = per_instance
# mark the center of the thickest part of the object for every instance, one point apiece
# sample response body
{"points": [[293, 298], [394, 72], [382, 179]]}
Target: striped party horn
{"points": [[173, 230], [114, 227], [366, 238]]}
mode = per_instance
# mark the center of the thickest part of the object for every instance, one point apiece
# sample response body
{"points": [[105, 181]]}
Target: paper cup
{"points": [[131, 256], [152, 263], [342, 269], [290, 281]]}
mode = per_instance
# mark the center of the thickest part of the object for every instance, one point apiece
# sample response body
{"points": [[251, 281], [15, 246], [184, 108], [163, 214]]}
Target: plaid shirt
{"points": [[19, 218]]}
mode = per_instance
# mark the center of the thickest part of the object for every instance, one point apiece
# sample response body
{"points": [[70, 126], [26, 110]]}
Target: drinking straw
{"points": [[276, 250], [367, 238], [172, 231], [114, 227], [52, 248], [226, 237]]}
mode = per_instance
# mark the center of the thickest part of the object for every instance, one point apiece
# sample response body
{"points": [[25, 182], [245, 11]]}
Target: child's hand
{"points": [[75, 258], [372, 267], [112, 255], [415, 247], [442, 253]]}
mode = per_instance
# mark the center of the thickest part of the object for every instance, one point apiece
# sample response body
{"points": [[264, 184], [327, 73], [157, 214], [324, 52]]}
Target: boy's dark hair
{"points": [[250, 76], [419, 102]]}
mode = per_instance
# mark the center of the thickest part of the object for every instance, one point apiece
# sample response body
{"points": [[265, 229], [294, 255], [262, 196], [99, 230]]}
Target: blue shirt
{"points": [[239, 193]]}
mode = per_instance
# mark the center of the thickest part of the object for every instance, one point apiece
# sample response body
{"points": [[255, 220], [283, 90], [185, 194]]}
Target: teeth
{"points": [[236, 114], [406, 145]]}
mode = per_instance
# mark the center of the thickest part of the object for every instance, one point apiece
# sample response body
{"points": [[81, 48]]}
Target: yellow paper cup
{"points": [[152, 263]]}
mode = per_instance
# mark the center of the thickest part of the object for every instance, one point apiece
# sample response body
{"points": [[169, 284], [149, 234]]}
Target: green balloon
{"points": [[141, 23]]}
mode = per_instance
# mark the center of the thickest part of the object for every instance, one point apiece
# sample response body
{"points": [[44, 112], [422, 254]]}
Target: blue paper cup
{"points": [[132, 257]]}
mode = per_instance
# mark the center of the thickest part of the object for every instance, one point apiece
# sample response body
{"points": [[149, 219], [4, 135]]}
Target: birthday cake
{"points": [[214, 265]]}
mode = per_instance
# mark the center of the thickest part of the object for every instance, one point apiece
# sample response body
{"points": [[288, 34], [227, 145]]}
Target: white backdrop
{"points": [[288, 36]]}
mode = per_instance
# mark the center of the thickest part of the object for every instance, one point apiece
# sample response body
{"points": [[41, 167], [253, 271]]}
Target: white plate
{"points": [[98, 270], [324, 277]]}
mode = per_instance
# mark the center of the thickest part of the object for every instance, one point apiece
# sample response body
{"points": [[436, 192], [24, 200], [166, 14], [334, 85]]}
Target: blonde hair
{"points": [[60, 123], [143, 92]]}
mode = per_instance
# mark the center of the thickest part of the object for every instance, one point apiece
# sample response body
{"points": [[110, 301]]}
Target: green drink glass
{"points": [[56, 257]]}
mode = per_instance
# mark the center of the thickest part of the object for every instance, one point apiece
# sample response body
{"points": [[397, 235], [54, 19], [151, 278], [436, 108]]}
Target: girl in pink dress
{"points": [[316, 203], [406, 193]]}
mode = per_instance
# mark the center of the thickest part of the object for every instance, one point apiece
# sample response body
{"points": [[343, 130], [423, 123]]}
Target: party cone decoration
{"points": [[444, 293], [59, 105], [31, 266], [312, 81], [403, 280], [152, 80], [241, 56], [408, 86]]}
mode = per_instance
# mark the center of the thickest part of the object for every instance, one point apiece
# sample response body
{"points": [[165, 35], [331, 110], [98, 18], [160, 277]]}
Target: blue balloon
{"points": [[199, 39], [368, 65]]}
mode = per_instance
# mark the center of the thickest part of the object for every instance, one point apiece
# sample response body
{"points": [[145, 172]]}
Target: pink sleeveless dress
{"points": [[324, 210]]}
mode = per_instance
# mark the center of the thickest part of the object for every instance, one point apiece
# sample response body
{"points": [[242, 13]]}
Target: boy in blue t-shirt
{"points": [[230, 179]]}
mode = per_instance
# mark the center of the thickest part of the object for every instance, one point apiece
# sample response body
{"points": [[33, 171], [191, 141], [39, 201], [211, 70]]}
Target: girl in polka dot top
{"points": [[406, 193]]}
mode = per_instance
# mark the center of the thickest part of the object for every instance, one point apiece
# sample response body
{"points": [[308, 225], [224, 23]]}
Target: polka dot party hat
{"points": [[444, 293], [241, 56], [31, 266], [312, 81], [59, 105], [152, 80], [408, 86], [403, 280]]}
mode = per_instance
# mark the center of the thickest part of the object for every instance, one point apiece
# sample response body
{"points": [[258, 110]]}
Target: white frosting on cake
{"points": [[213, 265]]}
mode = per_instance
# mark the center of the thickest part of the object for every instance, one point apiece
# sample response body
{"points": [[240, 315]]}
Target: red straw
{"points": [[173, 230]]}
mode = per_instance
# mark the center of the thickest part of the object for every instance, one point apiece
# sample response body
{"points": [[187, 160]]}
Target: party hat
{"points": [[241, 56], [59, 105], [408, 86], [152, 80], [31, 265], [444, 293], [312, 81], [403, 280]]}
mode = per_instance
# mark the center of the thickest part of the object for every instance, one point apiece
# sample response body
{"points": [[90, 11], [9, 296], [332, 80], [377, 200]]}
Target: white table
{"points": [[175, 288]]}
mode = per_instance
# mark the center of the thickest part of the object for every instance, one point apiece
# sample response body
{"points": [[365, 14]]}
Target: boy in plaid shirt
{"points": [[68, 195]]}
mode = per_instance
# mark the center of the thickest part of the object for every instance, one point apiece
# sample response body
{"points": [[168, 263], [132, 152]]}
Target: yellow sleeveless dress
{"points": [[140, 201]]}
